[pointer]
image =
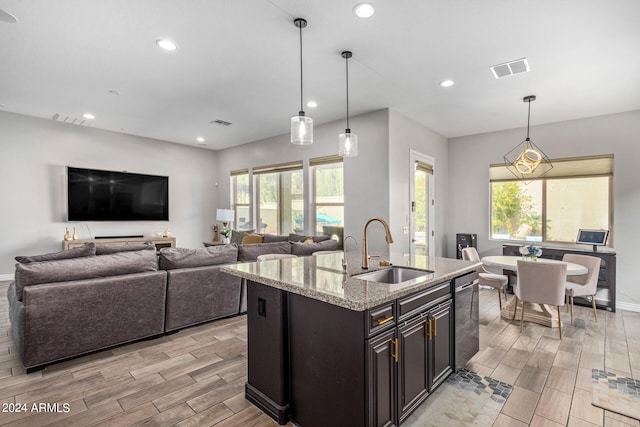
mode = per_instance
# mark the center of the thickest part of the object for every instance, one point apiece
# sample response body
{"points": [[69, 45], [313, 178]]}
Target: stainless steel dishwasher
{"points": [[467, 324]]}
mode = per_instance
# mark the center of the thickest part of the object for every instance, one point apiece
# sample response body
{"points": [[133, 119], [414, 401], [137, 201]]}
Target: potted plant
{"points": [[226, 234], [530, 251]]}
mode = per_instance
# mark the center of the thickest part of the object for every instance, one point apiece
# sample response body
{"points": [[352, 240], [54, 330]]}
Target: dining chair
{"points": [[497, 281], [267, 257], [585, 284], [542, 283]]}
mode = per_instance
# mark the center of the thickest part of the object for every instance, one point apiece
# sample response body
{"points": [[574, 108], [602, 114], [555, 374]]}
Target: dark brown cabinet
{"points": [[318, 364], [381, 377]]}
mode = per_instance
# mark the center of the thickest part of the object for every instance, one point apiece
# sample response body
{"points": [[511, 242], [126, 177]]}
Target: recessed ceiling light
{"points": [[88, 116], [312, 104], [364, 10], [447, 83], [166, 44], [200, 139]]}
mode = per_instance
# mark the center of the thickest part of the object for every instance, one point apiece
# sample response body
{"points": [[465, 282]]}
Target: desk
{"points": [[536, 313]]}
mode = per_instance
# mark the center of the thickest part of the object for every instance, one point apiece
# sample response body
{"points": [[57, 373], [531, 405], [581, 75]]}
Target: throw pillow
{"points": [[88, 249], [270, 238], [309, 240], [237, 235], [297, 237], [251, 238]]}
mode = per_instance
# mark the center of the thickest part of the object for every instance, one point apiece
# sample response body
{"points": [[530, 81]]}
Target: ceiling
{"points": [[238, 61]]}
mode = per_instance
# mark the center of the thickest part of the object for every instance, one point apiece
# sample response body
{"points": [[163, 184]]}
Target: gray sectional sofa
{"points": [[93, 297]]}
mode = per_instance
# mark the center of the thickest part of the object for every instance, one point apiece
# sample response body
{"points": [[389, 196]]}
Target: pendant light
{"points": [[526, 160], [301, 125], [347, 141]]}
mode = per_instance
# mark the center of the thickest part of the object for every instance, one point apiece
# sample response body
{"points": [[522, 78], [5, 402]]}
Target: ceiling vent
{"points": [[510, 68], [80, 121], [220, 123]]}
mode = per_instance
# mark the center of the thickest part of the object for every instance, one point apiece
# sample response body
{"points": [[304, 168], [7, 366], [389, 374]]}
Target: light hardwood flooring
{"points": [[196, 377]]}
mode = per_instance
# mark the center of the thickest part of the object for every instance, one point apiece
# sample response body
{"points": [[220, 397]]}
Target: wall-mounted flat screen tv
{"points": [[98, 195], [592, 237]]}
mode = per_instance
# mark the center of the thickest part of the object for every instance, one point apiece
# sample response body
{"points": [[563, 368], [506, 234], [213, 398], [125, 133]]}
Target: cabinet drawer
{"points": [[380, 318], [413, 304]]}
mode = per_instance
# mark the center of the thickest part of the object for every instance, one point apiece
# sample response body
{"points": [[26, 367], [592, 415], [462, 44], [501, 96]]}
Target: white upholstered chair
{"points": [[267, 257], [485, 278], [585, 284], [540, 282]]}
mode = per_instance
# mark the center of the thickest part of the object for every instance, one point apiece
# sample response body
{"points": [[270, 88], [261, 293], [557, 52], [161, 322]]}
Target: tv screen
{"points": [[97, 195], [592, 237]]}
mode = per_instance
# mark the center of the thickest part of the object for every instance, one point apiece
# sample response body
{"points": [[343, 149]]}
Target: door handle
{"points": [[385, 320], [435, 326], [429, 329], [394, 354]]}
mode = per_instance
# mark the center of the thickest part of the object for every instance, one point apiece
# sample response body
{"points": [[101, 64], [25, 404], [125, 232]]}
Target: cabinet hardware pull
{"points": [[385, 320], [394, 355], [429, 329], [435, 326]]}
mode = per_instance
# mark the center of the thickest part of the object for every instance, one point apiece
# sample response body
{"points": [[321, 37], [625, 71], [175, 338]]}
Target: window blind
{"points": [[327, 160], [283, 167], [573, 167], [424, 167]]}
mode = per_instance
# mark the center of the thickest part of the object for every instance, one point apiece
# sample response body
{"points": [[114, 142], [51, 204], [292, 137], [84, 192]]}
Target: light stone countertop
{"points": [[320, 277]]}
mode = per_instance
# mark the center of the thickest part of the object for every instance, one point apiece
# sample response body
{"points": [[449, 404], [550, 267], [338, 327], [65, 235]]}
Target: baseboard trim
{"points": [[628, 306], [4, 277]]}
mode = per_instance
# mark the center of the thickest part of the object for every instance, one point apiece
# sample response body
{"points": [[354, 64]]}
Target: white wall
{"points": [[34, 154], [365, 176], [617, 134], [406, 135]]}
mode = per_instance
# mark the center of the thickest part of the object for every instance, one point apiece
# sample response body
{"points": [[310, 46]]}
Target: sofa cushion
{"points": [[238, 235], [270, 238], [88, 249], [84, 268], [305, 249], [104, 248], [172, 258], [251, 238], [297, 237], [318, 239], [251, 252]]}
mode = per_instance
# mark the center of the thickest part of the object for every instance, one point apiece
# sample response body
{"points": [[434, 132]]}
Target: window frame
{"points": [[313, 166], [603, 166]]}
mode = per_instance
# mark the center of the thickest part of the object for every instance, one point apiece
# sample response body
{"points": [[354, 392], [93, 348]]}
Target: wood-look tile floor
{"points": [[196, 377]]}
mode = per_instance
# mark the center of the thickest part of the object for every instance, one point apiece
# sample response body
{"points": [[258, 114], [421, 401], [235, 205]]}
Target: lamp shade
{"points": [[348, 144], [301, 129], [224, 215]]}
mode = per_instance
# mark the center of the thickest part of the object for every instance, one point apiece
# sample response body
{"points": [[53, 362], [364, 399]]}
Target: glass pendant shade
{"points": [[301, 129], [348, 144]]}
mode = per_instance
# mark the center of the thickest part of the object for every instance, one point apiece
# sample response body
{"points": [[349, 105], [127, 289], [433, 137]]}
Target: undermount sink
{"points": [[393, 275]]}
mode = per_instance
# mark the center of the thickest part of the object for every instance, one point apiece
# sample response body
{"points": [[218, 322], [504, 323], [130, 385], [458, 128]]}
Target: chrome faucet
{"points": [[365, 249], [344, 253]]}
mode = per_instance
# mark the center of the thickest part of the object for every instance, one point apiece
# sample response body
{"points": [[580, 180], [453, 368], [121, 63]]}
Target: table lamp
{"points": [[225, 216]]}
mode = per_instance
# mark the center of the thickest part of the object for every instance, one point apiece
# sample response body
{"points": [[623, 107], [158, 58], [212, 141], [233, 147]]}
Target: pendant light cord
{"points": [[347, 67], [528, 119], [301, 97]]}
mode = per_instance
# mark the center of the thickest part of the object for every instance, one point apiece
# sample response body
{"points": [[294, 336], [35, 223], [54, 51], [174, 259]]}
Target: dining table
{"points": [[534, 312]]}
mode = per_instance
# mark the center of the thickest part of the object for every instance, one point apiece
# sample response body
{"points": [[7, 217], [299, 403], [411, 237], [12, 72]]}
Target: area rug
{"points": [[616, 394], [465, 398]]}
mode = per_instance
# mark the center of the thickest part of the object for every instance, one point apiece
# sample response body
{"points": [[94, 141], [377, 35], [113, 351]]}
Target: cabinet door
{"points": [[381, 379], [413, 385], [441, 343]]}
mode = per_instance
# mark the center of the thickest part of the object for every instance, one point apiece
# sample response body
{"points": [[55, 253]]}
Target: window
{"points": [[241, 199], [328, 190], [280, 197], [575, 194]]}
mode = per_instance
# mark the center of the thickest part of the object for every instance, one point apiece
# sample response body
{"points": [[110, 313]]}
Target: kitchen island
{"points": [[326, 347]]}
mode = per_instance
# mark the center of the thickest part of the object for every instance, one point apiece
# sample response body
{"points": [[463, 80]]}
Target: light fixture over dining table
{"points": [[526, 161]]}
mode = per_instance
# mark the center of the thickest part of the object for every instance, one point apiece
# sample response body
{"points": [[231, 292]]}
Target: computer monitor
{"points": [[592, 237]]}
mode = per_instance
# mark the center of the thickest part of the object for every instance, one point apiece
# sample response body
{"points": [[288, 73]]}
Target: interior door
{"points": [[422, 230]]}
